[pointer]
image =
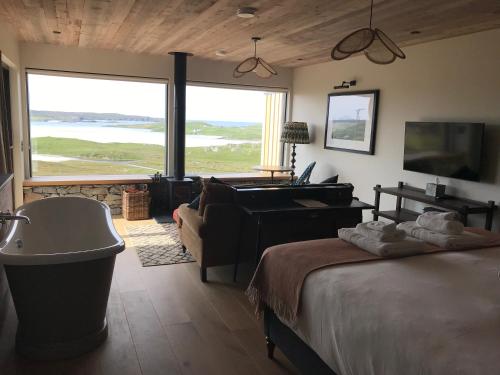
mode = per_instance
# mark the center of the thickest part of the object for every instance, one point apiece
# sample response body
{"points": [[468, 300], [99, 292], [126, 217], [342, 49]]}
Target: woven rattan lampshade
{"points": [[295, 133], [254, 64], [374, 43]]}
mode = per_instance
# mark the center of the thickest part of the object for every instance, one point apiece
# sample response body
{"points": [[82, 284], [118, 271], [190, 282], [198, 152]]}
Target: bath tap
{"points": [[4, 216]]}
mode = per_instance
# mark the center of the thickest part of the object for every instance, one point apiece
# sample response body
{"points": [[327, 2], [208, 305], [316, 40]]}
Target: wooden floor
{"points": [[163, 320]]}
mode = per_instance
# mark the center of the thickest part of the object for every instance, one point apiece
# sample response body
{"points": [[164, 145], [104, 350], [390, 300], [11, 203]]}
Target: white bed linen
{"points": [[426, 315]]}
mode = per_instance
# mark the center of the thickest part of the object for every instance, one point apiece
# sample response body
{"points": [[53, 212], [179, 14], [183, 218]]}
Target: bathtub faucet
{"points": [[4, 216]]}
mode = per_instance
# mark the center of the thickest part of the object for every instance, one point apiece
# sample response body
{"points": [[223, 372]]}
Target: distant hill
{"points": [[228, 124], [86, 116]]}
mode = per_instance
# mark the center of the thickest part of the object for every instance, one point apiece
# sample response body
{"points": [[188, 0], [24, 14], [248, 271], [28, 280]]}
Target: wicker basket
{"points": [[136, 205]]}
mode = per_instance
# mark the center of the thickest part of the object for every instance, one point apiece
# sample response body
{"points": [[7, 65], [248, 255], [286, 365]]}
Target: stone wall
{"points": [[109, 194]]}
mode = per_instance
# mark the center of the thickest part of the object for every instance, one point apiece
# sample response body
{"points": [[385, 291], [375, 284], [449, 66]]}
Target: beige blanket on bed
{"points": [[281, 272], [436, 314]]}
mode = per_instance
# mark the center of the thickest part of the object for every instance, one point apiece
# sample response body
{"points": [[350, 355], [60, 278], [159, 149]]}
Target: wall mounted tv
{"points": [[445, 149]]}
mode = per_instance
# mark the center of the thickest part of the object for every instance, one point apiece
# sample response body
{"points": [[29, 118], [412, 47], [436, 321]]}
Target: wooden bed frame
{"points": [[296, 350]]}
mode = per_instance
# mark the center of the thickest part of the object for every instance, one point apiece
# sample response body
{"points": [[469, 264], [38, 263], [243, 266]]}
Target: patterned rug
{"points": [[157, 244]]}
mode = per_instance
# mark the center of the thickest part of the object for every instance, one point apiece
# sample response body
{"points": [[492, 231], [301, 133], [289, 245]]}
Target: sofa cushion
{"points": [[215, 180], [190, 219], [195, 203], [331, 180], [215, 193], [175, 216]]}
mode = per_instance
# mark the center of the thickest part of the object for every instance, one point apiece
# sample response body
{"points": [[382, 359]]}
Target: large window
{"points": [[92, 125], [232, 130]]}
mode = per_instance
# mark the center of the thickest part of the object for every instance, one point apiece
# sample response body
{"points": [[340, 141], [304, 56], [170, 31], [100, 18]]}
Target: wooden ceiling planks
{"points": [[139, 25], [294, 32], [202, 15]]}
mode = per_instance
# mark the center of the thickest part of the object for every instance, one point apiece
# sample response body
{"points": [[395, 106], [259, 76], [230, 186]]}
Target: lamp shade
{"points": [[295, 132]]}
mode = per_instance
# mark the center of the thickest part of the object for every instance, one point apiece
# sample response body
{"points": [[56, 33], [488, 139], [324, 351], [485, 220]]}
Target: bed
{"points": [[431, 314]]}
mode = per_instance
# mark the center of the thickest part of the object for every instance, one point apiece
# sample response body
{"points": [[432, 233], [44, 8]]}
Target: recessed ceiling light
{"points": [[246, 12], [220, 53], [415, 32]]}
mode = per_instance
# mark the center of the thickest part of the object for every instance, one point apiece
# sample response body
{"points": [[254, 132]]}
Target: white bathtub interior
{"points": [[62, 229]]}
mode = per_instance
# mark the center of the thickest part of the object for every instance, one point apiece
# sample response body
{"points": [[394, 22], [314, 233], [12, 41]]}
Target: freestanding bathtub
{"points": [[59, 269]]}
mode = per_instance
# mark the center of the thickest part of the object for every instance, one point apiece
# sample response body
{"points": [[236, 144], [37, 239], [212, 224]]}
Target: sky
{"points": [[74, 94], [349, 107], [208, 103]]}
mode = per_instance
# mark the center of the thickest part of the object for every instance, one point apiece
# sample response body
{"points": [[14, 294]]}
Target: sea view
{"points": [[121, 132], [82, 126], [84, 143]]}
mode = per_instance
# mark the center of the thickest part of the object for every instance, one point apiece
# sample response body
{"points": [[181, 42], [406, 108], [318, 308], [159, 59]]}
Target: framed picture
{"points": [[351, 121]]}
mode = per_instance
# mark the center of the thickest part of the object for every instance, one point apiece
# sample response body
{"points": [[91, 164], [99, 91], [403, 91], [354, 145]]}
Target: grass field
{"points": [[353, 130], [133, 158], [250, 132]]}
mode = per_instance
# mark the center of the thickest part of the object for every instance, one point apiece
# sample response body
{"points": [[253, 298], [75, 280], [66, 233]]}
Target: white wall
{"points": [[10, 56], [450, 80], [44, 56]]}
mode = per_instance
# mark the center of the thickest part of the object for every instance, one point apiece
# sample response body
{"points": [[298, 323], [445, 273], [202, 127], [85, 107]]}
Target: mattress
{"points": [[430, 314]]}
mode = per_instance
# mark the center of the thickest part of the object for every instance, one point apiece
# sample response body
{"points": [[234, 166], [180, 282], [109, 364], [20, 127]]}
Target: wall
{"points": [[44, 56], [109, 194], [451, 80], [11, 57]]}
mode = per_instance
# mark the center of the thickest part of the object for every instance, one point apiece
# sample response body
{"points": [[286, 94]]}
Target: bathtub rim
{"points": [[60, 258]]}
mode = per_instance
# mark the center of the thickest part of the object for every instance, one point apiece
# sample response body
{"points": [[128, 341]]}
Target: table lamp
{"points": [[294, 133]]}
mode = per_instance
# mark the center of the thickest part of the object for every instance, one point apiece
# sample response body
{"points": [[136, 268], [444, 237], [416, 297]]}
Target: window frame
{"points": [[236, 86], [6, 73], [89, 75]]}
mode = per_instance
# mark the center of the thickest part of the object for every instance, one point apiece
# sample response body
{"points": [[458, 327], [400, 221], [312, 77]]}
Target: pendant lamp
{"points": [[254, 64], [374, 43]]}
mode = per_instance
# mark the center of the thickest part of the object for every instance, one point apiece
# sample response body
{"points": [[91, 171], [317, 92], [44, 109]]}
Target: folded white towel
{"points": [[466, 240], [388, 236], [380, 226], [383, 249], [442, 222], [442, 215]]}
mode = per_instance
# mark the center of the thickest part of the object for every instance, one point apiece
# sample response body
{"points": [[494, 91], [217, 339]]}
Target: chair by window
{"points": [[304, 177]]}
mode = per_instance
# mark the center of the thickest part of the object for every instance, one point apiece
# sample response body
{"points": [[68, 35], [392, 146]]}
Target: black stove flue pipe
{"points": [[180, 67]]}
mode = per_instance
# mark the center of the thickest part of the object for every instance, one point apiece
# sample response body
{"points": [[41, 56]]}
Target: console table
{"points": [[276, 215], [464, 207]]}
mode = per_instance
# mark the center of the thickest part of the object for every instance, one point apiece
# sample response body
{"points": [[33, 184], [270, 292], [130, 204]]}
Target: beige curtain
{"points": [[271, 130], [5, 154]]}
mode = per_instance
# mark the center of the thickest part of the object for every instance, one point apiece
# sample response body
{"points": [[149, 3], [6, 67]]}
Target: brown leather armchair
{"points": [[212, 239]]}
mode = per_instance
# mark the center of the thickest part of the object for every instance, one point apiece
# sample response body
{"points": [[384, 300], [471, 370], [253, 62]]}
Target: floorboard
{"points": [[150, 340], [163, 320]]}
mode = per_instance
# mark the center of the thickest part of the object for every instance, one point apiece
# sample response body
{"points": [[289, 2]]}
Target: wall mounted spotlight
{"points": [[345, 85]]}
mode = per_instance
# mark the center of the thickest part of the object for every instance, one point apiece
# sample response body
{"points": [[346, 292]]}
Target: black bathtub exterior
{"points": [[61, 308]]}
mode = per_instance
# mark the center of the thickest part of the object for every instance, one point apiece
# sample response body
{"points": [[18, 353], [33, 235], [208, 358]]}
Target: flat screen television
{"points": [[445, 149]]}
